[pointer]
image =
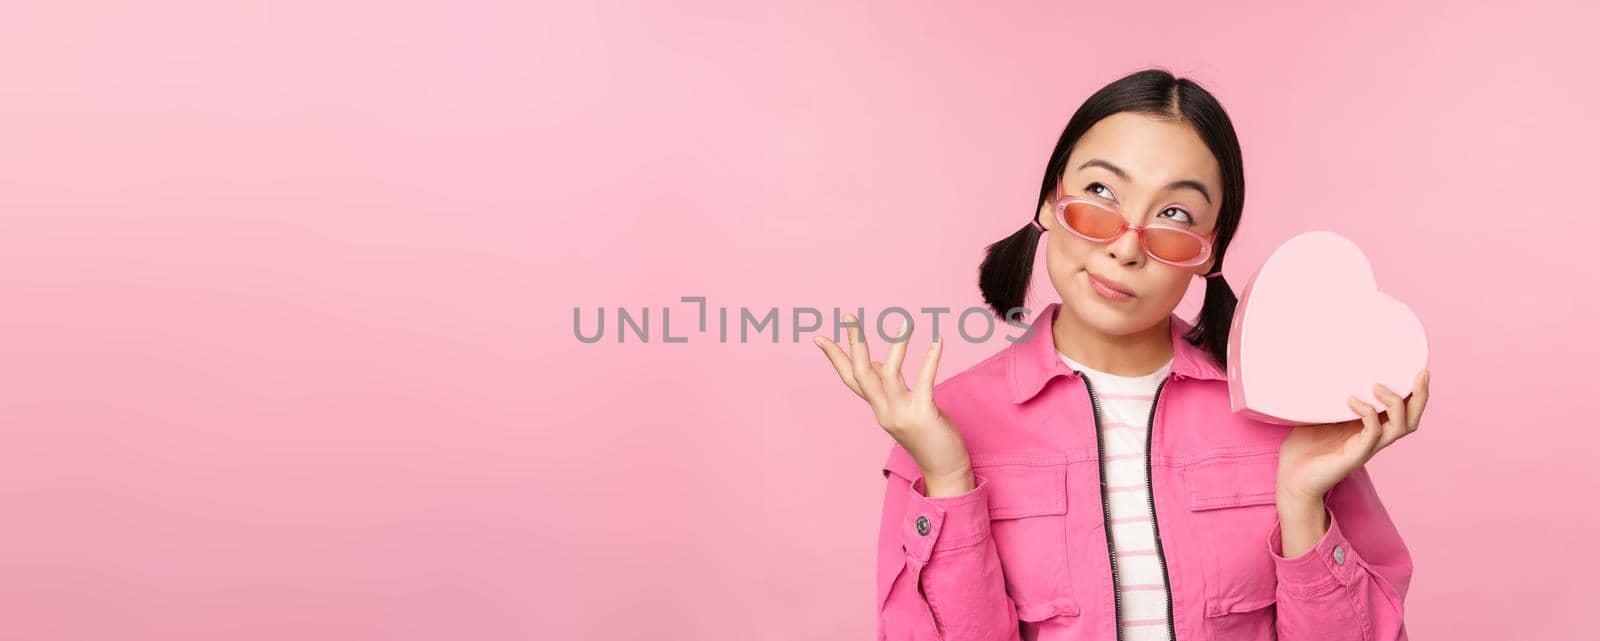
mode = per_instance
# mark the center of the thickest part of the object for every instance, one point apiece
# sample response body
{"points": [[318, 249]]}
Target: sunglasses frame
{"points": [[1061, 219]]}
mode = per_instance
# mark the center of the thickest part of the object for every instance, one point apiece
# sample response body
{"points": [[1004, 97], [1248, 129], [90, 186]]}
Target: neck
{"points": [[1133, 354]]}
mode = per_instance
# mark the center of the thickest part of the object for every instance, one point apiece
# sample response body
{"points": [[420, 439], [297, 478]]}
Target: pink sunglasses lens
{"points": [[1094, 222], [1172, 245]]}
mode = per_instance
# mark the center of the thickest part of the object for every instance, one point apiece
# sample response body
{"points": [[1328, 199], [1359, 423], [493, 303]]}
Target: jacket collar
{"points": [[1034, 362]]}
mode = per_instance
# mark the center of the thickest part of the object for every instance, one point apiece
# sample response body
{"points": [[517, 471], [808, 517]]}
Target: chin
{"points": [[1116, 319]]}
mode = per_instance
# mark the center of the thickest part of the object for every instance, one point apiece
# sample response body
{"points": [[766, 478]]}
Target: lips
{"points": [[1111, 284]]}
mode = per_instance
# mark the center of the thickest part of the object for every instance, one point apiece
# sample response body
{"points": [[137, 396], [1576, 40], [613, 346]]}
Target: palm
{"points": [[908, 413], [1314, 458], [1318, 456]]}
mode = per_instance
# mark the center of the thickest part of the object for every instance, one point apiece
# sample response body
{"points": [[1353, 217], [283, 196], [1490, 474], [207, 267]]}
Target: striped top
{"points": [[1125, 403]]}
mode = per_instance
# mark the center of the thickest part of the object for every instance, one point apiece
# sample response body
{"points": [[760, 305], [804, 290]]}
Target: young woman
{"points": [[1090, 480]]}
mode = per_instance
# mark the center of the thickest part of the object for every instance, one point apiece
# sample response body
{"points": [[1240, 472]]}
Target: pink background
{"points": [[287, 347]]}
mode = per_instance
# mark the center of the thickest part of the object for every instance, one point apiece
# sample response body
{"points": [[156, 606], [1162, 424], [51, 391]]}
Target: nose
{"points": [[1125, 246]]}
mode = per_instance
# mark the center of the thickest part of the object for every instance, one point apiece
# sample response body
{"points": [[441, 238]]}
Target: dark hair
{"points": [[1008, 264]]}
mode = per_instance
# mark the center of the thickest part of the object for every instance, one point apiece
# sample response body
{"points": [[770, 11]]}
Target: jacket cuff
{"points": [[944, 523], [1329, 564]]}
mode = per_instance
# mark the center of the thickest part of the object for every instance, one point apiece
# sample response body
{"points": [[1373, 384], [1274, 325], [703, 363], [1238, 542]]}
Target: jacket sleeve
{"points": [[1352, 584], [939, 575]]}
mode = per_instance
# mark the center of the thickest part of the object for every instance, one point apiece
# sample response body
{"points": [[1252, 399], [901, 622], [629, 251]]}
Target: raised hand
{"points": [[908, 414], [1314, 458]]}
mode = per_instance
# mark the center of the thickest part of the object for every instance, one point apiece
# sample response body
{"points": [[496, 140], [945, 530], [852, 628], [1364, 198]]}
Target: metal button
{"points": [[922, 526], [1338, 555]]}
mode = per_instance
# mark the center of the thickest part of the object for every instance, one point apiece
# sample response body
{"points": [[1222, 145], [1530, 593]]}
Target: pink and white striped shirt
{"points": [[1125, 403]]}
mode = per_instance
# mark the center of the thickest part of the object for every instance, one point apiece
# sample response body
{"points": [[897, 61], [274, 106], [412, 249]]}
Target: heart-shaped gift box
{"points": [[1312, 328]]}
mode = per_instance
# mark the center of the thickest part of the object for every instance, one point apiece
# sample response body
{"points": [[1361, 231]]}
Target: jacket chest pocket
{"points": [[1028, 522], [1233, 500]]}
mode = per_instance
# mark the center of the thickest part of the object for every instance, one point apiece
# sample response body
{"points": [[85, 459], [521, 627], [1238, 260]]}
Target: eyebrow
{"points": [[1176, 184]]}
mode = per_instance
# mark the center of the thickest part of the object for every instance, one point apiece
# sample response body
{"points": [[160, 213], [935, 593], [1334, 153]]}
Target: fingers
{"points": [[893, 380], [841, 363], [860, 359], [1419, 400], [880, 383], [930, 368], [861, 365], [1371, 429], [1394, 424]]}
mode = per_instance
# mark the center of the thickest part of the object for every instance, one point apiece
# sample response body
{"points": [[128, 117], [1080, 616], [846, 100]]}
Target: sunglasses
{"points": [[1097, 222]]}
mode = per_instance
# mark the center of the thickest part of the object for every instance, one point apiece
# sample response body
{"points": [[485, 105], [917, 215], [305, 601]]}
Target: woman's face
{"points": [[1130, 162]]}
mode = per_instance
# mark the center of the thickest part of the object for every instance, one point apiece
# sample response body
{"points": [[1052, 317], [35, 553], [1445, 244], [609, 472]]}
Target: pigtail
{"points": [[1007, 269], [1210, 330]]}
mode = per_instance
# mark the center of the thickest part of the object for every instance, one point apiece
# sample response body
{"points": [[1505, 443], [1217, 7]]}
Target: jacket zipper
{"points": [[1150, 493], [1105, 500]]}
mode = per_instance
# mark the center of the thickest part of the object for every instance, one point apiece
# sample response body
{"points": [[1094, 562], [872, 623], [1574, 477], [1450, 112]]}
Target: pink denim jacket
{"points": [[1024, 555]]}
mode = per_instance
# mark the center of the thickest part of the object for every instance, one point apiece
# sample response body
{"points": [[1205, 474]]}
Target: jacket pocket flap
{"points": [[1232, 482], [1237, 606], [1017, 491], [1035, 612]]}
